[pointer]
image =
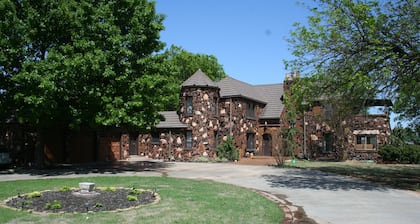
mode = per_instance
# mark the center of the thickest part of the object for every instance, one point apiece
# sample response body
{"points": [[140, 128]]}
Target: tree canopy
{"points": [[355, 50], [81, 63]]}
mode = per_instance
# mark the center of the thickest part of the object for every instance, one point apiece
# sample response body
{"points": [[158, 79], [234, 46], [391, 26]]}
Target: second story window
{"points": [[250, 112], [189, 105], [215, 108]]}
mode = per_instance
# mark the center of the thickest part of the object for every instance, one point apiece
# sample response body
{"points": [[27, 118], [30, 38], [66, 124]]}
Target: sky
{"points": [[248, 37]]}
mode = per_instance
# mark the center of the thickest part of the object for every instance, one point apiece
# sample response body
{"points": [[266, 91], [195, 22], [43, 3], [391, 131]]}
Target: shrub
{"points": [[135, 192], [401, 153], [227, 150], [110, 189], [64, 189], [132, 198], [35, 194], [54, 205]]}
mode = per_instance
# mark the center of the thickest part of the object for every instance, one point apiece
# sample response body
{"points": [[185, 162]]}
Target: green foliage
{"points": [[401, 136], [355, 50], [227, 150], [64, 189], [135, 192], [132, 198], [35, 194], [201, 159], [110, 189], [401, 153], [53, 205], [81, 63], [99, 205]]}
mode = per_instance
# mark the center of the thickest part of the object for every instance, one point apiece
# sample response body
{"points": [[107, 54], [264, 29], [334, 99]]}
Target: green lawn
{"points": [[400, 176], [182, 201]]}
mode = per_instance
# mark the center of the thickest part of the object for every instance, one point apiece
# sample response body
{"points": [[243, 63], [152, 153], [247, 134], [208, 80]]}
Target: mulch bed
{"points": [[72, 202]]}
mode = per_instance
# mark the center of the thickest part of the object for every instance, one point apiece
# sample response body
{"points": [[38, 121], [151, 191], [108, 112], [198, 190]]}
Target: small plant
{"points": [[227, 150], [132, 198], [64, 189], [35, 194], [135, 192], [27, 202], [53, 205], [201, 159], [110, 189], [99, 205]]}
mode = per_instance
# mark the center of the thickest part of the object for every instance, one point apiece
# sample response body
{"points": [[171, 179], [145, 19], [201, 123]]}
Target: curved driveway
{"points": [[326, 198]]}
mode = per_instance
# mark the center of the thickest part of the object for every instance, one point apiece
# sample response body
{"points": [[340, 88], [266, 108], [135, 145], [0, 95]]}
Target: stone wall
{"points": [[375, 125], [240, 123], [203, 122]]}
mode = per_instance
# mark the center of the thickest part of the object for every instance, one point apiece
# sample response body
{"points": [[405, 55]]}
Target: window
{"points": [[250, 141], [215, 108], [215, 137], [366, 142], [155, 138], [189, 105], [188, 144], [327, 142], [250, 110]]}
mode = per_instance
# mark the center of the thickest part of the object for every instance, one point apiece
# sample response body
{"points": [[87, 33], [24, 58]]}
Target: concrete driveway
{"points": [[326, 198]]}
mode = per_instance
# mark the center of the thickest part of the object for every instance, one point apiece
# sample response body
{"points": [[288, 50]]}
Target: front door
{"points": [[266, 145], [133, 146]]}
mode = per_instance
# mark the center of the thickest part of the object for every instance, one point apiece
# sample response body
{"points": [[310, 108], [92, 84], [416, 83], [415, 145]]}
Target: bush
{"points": [[227, 150], [35, 194], [401, 154]]}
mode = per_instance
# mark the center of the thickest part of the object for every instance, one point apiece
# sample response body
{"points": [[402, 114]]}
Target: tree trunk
{"points": [[39, 149]]}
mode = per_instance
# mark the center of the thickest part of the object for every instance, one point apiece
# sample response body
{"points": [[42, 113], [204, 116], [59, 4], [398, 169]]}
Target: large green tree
{"points": [[353, 50], [81, 63]]}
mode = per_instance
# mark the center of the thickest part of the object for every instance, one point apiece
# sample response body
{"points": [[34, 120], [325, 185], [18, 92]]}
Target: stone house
{"points": [[209, 112], [254, 115]]}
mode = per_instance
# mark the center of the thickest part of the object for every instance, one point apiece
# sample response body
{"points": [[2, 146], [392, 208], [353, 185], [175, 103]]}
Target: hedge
{"points": [[400, 154]]}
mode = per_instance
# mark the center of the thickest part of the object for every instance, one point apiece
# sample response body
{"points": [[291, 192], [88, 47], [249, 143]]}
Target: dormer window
{"points": [[189, 105]]}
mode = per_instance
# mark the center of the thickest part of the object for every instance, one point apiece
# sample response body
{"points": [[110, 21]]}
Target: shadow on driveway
{"points": [[317, 180], [89, 168]]}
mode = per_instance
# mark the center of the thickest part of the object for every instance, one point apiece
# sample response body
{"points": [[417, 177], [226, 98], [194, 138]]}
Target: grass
{"points": [[182, 201], [399, 176]]}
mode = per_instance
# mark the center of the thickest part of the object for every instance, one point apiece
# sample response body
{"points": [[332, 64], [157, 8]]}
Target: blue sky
{"points": [[246, 36]]}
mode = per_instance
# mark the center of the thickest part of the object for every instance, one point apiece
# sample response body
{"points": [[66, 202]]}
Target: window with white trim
{"points": [[366, 142]]}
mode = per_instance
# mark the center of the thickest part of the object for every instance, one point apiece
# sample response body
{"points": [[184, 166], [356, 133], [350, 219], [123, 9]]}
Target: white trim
{"points": [[366, 132]]}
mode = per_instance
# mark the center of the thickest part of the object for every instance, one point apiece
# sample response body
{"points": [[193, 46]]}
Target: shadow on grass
{"points": [[312, 179], [400, 177], [96, 167]]}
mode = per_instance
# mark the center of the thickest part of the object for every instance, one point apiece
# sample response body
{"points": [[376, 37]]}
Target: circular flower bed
{"points": [[71, 200]]}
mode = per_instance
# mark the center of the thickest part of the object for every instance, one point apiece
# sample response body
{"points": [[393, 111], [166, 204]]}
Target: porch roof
{"points": [[171, 120]]}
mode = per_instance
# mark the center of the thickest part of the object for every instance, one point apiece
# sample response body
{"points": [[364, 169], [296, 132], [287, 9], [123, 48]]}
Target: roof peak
{"points": [[199, 78]]}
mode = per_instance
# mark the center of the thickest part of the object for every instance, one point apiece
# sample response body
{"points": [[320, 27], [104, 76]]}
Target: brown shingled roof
{"points": [[271, 94], [171, 120], [199, 79], [230, 87]]}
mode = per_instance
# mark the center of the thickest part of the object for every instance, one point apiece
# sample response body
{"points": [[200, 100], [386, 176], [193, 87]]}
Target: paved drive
{"points": [[326, 198]]}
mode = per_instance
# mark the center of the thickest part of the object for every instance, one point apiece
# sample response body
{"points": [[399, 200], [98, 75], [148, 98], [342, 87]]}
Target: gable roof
{"points": [[171, 120], [271, 94], [230, 87], [199, 79]]}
